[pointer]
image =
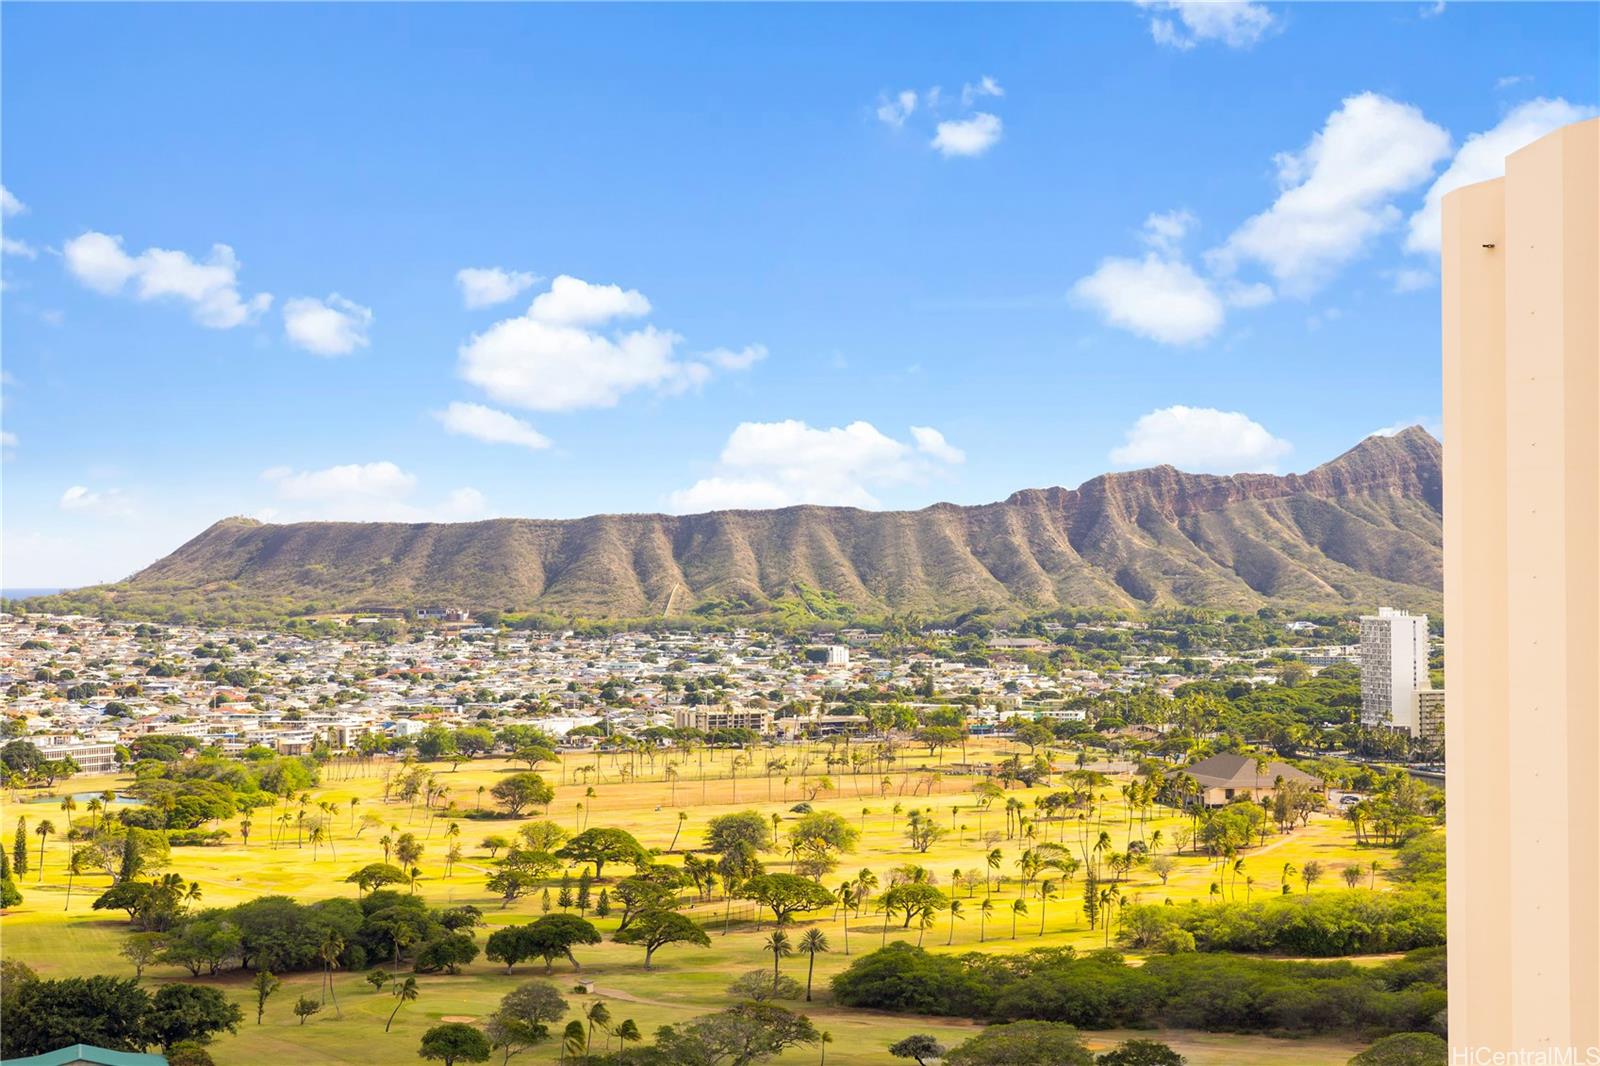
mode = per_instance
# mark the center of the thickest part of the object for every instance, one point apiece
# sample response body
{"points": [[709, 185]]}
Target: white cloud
{"points": [[572, 301], [8, 439], [1412, 280], [1165, 231], [552, 359], [893, 111], [489, 425], [1509, 80], [12, 246], [932, 442], [1182, 24], [1338, 192], [487, 286], [986, 86], [108, 502], [1237, 294], [1483, 156], [1431, 423], [211, 287], [9, 204], [969, 136], [1433, 10], [778, 464], [378, 491], [1200, 439], [335, 326], [743, 359], [1163, 299]]}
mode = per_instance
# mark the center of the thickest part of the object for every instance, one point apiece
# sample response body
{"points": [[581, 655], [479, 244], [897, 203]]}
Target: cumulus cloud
{"points": [[1155, 297], [13, 246], [377, 491], [1165, 230], [743, 359], [1412, 280], [1200, 439], [335, 326], [932, 442], [1338, 192], [210, 287], [1182, 24], [9, 204], [489, 425], [558, 357], [1483, 156], [986, 86], [894, 110], [572, 301], [968, 136], [779, 464], [487, 286], [105, 502]]}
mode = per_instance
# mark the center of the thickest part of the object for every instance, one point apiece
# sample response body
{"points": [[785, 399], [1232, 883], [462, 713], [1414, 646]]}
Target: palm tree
{"points": [[985, 908], [844, 912], [1018, 906], [812, 943], [387, 843], [572, 1038], [627, 1031], [45, 828], [825, 1039], [955, 916], [1047, 888], [683, 816], [405, 992], [331, 947], [597, 1014], [75, 861], [781, 947], [994, 860]]}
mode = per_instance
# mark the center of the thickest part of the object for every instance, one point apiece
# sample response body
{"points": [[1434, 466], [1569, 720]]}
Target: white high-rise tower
{"points": [[1394, 668]]}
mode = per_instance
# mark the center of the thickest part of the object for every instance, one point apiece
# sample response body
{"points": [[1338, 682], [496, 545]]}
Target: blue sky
{"points": [[718, 255]]}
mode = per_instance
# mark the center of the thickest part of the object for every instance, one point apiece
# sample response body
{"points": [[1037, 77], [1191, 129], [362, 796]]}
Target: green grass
{"points": [[686, 981]]}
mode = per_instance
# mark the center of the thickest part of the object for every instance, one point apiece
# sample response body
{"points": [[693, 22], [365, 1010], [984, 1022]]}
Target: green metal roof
{"points": [[88, 1053]]}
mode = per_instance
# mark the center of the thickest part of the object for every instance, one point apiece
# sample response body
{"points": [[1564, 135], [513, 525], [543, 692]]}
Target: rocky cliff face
{"points": [[1361, 529]]}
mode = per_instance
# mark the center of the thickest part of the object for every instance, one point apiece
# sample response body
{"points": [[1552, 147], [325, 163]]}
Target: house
{"points": [[1224, 778], [87, 1055]]}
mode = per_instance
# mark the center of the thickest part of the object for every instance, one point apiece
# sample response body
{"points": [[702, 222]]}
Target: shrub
{"points": [[1405, 1049]]}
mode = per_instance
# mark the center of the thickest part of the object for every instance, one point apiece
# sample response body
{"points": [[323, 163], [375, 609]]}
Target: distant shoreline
{"points": [[24, 593]]}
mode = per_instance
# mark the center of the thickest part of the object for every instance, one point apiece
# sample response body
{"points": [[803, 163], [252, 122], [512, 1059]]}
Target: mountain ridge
{"points": [[1358, 529]]}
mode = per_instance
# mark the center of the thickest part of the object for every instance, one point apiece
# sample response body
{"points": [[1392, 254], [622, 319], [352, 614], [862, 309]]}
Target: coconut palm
{"points": [[45, 829], [597, 1015], [329, 951], [405, 992], [955, 916], [812, 943], [985, 908], [1019, 906], [781, 947], [1047, 889]]}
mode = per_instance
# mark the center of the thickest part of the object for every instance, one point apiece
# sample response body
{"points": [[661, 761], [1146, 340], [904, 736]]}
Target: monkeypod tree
{"points": [[785, 895], [655, 929], [600, 846]]}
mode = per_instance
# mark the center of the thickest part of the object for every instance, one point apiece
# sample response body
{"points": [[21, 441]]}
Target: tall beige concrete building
{"points": [[1521, 302]]}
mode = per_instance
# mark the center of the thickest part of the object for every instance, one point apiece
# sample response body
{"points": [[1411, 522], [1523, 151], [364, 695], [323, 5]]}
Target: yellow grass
{"points": [[58, 940]]}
